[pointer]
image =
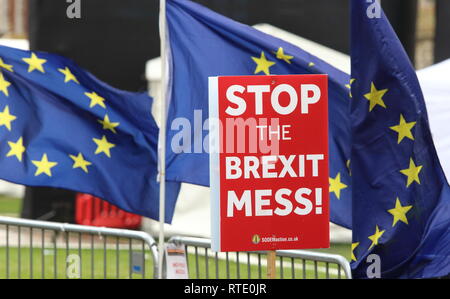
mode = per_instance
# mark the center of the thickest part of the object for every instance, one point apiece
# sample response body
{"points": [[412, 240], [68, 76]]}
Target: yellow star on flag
{"points": [[103, 146], [403, 129], [68, 75], [349, 86], [16, 149], [311, 64], [280, 55], [376, 236], [44, 166], [108, 125], [6, 118], [35, 63], [262, 64], [95, 99], [375, 97], [336, 185], [399, 212], [412, 173], [80, 162], [8, 67], [354, 245], [4, 85]]}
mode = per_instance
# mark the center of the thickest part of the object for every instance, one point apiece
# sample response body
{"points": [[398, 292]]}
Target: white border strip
{"points": [[214, 166]]}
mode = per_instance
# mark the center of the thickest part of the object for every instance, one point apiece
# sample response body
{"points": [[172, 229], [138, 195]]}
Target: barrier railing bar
{"points": [[216, 261], [117, 258], [143, 259], [206, 263], [92, 257], [293, 268], [31, 252], [42, 253], [130, 250], [80, 255], [7, 251], [19, 266], [281, 268], [228, 265], [67, 229]]}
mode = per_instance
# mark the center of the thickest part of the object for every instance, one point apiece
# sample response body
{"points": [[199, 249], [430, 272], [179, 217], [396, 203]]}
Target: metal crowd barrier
{"points": [[40, 249], [291, 264]]}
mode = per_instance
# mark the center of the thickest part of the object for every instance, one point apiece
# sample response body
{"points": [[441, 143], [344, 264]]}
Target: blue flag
{"points": [[62, 127], [203, 44], [401, 199]]}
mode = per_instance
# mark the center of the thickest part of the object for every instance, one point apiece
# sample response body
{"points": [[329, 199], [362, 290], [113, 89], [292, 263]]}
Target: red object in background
{"points": [[91, 210]]}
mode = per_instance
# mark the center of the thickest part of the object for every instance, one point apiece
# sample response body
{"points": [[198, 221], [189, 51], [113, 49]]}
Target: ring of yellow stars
{"points": [[103, 146], [399, 212], [336, 185], [5, 66], [262, 64], [95, 99], [4, 85], [35, 63], [354, 245], [280, 55], [6, 118], [16, 149], [108, 125], [375, 97], [349, 86], [412, 173], [44, 166], [80, 162], [68, 75], [403, 129], [376, 236]]}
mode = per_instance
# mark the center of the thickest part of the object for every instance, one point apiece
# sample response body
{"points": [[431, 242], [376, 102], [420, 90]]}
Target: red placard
{"points": [[269, 162]]}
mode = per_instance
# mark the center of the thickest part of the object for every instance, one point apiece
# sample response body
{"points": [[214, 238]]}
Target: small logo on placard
{"points": [[256, 239]]}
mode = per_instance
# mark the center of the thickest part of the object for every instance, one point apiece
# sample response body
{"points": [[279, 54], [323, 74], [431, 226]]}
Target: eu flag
{"points": [[203, 44], [401, 199], [62, 127]]}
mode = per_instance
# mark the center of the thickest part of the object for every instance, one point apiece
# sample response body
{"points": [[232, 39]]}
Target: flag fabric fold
{"points": [[203, 43], [401, 198], [62, 127]]}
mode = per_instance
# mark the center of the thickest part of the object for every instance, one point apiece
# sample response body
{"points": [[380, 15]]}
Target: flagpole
{"points": [[162, 137]]}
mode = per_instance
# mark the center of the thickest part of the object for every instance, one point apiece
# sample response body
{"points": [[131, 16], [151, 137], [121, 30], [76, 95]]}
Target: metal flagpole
{"points": [[162, 137]]}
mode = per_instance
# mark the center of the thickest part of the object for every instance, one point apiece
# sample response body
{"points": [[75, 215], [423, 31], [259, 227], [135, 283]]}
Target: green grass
{"points": [[38, 263], [10, 206], [24, 263]]}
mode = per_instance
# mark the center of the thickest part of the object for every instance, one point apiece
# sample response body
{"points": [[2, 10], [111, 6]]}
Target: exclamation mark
{"points": [[318, 201]]}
